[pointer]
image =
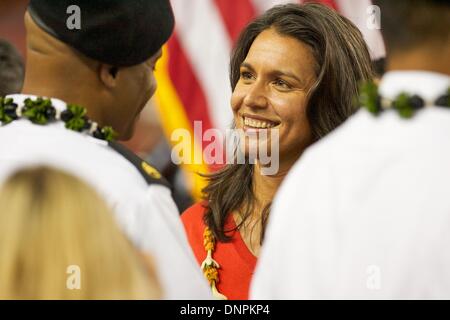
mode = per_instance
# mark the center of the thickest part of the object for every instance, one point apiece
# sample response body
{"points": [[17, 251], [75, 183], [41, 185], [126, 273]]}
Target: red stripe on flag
{"points": [[235, 15], [187, 85], [188, 88]]}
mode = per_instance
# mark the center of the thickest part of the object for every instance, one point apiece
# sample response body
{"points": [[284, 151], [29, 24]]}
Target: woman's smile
{"points": [[257, 123]]}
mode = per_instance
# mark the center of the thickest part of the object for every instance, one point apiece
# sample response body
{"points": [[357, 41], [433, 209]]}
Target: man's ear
{"points": [[108, 75]]}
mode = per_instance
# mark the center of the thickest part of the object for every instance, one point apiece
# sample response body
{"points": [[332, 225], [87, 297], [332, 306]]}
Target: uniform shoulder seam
{"points": [[150, 174]]}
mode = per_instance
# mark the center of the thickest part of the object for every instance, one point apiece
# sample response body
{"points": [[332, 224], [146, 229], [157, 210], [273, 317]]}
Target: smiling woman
{"points": [[272, 91], [295, 70]]}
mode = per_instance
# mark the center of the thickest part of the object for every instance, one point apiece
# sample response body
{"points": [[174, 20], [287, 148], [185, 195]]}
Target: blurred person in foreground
{"points": [[89, 72], [11, 69], [51, 222], [365, 213], [294, 70]]}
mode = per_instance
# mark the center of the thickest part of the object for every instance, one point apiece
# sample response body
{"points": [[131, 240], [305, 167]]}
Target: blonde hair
{"points": [[51, 221]]}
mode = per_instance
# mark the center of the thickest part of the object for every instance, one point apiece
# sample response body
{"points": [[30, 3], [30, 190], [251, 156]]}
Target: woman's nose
{"points": [[256, 96]]}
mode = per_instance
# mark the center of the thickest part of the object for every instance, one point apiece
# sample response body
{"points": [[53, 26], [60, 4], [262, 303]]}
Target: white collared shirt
{"points": [[365, 212], [145, 212]]}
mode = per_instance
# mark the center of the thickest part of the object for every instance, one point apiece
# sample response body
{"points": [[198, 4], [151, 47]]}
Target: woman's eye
{"points": [[246, 75], [283, 84]]}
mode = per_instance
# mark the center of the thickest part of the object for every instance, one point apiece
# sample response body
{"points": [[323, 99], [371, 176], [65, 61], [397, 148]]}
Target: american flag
{"points": [[192, 76]]}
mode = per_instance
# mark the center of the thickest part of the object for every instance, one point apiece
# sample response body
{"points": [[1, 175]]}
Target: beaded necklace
{"points": [[404, 103], [41, 111], [209, 265]]}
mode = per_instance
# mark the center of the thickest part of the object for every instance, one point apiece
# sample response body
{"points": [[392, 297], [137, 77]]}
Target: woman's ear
{"points": [[108, 75]]}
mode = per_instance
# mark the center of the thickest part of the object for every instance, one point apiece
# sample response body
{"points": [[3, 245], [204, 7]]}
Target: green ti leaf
{"points": [[368, 97], [78, 121], [4, 118], [404, 107], [109, 133], [36, 111]]}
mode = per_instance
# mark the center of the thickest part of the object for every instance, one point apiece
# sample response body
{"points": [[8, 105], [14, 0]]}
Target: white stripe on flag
{"points": [[355, 10], [263, 5]]}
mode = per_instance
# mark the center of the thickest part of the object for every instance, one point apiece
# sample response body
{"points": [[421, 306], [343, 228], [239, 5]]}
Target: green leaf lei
{"points": [[5, 106], [41, 111], [404, 103]]}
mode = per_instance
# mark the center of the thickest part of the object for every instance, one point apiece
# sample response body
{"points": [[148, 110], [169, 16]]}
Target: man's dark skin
{"points": [[112, 96]]}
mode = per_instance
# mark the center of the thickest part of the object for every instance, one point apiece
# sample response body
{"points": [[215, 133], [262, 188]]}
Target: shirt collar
{"points": [[426, 84]]}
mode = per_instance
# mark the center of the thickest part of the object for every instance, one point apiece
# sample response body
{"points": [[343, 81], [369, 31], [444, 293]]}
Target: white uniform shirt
{"points": [[365, 212], [145, 212]]}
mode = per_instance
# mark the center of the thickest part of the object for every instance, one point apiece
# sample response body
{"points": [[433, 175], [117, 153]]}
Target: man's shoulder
{"points": [[149, 173], [366, 133], [77, 152], [366, 143]]}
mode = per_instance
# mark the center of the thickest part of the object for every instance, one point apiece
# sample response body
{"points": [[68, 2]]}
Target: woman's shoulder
{"points": [[192, 217]]}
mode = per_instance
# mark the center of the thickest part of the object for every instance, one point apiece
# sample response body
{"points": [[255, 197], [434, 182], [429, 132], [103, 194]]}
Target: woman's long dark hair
{"points": [[342, 61]]}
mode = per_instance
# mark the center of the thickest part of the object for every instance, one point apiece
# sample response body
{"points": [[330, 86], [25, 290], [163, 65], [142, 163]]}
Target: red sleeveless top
{"points": [[237, 263]]}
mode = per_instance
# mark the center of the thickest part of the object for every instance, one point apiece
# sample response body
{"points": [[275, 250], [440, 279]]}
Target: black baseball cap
{"points": [[117, 32]]}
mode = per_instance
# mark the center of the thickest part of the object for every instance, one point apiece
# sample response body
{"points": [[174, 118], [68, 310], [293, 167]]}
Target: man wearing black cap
{"points": [[86, 83]]}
